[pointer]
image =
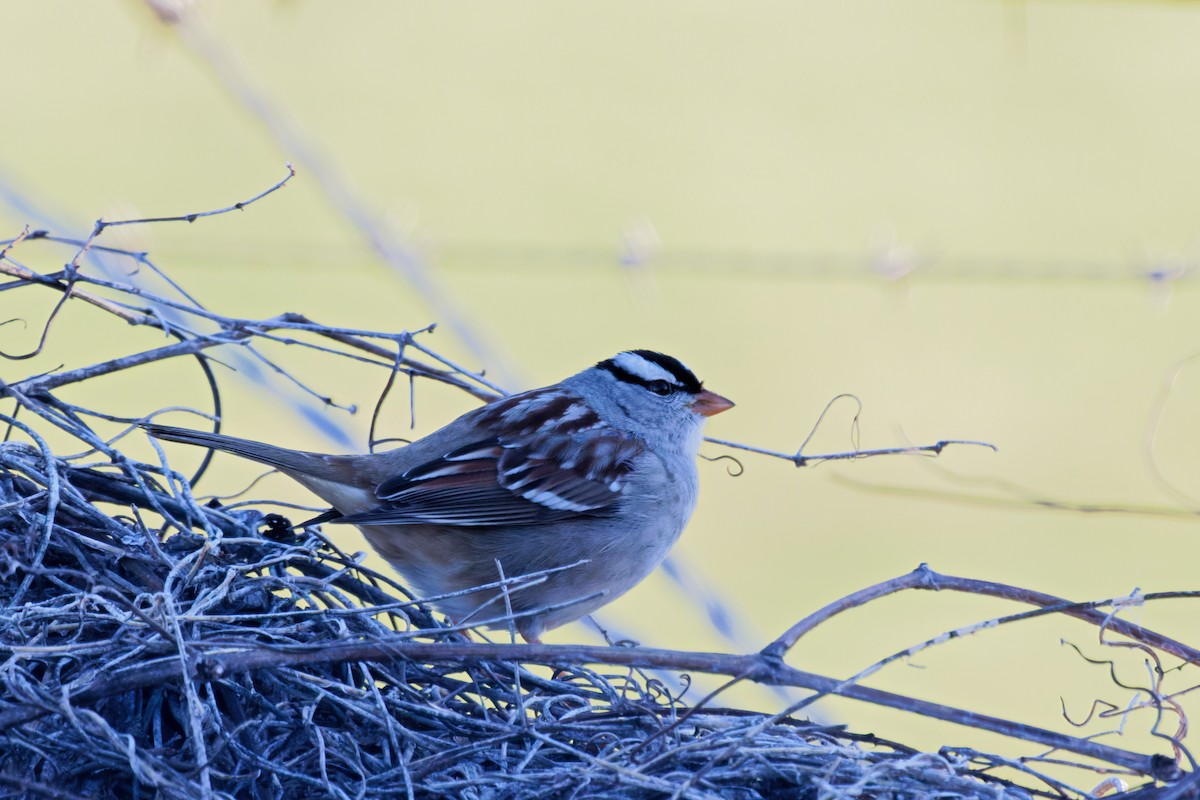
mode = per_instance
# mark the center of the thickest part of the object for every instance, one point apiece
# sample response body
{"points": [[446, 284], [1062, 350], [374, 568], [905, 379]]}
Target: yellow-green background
{"points": [[1030, 161]]}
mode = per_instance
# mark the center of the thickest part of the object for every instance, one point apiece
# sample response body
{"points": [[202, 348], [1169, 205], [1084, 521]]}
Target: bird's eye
{"points": [[660, 388]]}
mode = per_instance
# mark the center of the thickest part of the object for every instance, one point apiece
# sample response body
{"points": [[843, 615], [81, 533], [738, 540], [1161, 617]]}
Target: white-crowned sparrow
{"points": [[599, 468]]}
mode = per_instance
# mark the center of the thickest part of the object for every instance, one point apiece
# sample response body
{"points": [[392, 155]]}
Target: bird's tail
{"points": [[279, 457]]}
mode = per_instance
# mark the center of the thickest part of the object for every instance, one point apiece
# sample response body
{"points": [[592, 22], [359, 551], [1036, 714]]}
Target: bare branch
{"points": [[801, 460], [195, 215], [925, 578]]}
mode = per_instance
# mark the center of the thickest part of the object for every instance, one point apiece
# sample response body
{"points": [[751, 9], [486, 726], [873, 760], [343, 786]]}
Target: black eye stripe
{"points": [[684, 379], [683, 376], [622, 373]]}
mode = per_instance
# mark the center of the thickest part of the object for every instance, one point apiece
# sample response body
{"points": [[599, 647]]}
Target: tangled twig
{"points": [[197, 650]]}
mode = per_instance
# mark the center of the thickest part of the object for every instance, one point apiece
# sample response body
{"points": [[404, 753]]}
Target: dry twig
{"points": [[193, 650]]}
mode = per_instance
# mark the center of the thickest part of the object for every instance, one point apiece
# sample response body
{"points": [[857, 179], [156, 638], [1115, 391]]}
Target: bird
{"points": [[592, 478]]}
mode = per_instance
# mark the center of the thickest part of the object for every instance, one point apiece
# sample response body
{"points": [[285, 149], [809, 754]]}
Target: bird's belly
{"points": [[552, 576], [553, 573]]}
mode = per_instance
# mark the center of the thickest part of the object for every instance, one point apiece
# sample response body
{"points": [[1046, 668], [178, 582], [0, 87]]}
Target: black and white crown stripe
{"points": [[644, 367]]}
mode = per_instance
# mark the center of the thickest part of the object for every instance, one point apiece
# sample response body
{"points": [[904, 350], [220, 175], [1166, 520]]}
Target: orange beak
{"points": [[708, 403]]}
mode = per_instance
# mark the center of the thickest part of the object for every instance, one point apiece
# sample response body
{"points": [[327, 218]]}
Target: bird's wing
{"points": [[545, 477]]}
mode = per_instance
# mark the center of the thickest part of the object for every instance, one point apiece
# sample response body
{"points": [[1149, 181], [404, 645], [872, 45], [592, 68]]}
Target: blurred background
{"points": [[979, 217]]}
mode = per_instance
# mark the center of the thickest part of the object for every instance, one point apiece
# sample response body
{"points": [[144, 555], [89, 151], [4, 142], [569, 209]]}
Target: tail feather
{"points": [[345, 482], [279, 457]]}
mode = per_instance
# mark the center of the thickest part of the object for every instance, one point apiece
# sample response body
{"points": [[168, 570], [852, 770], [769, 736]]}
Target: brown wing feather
{"points": [[566, 471]]}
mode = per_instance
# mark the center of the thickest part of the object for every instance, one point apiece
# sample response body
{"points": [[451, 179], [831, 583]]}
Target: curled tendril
{"points": [[734, 470]]}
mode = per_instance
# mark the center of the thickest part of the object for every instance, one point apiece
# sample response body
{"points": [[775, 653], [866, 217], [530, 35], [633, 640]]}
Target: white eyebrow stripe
{"points": [[646, 370]]}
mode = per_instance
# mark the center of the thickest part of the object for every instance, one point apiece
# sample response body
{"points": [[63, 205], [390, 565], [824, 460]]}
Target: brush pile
{"points": [[157, 646]]}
